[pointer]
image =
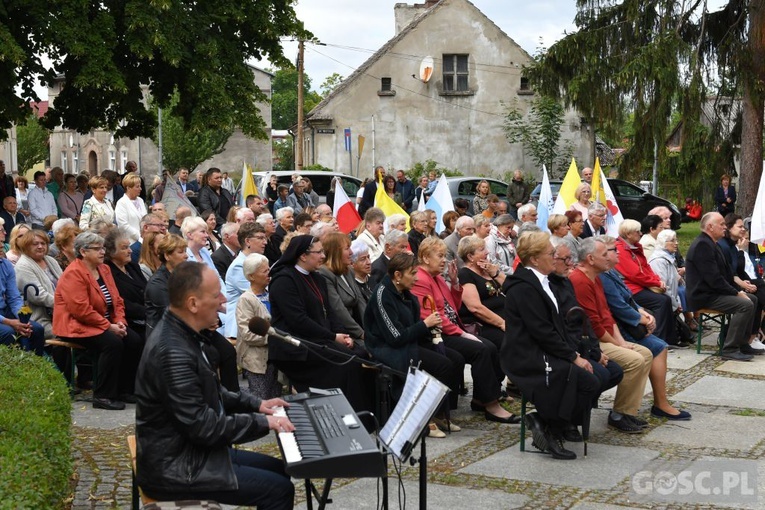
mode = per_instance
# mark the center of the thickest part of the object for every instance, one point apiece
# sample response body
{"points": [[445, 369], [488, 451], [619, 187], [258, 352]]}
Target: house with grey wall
{"points": [[455, 118]]}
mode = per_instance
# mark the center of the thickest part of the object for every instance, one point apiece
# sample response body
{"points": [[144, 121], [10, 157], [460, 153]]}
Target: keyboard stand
{"points": [[312, 491]]}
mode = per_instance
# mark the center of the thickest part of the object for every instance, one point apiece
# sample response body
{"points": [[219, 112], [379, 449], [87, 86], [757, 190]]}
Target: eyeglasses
{"points": [[612, 249], [258, 238], [158, 225], [566, 260], [95, 248]]}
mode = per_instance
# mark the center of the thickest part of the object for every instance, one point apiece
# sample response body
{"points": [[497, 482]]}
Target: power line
{"points": [[397, 86], [515, 69]]}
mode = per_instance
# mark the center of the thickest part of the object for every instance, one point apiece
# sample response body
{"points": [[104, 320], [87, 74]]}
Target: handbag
{"points": [[474, 328], [636, 332], [684, 333]]}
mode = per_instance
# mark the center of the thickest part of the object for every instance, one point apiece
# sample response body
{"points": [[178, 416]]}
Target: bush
{"points": [[35, 432]]}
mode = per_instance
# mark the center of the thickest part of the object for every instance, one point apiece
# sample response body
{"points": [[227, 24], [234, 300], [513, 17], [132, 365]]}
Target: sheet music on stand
{"points": [[421, 397]]}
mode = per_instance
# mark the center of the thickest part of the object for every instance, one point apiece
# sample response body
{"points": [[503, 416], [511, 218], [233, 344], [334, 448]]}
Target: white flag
{"points": [[440, 202], [758, 215], [546, 204], [614, 214]]}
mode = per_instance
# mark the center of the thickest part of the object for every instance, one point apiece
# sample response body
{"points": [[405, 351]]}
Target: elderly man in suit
{"points": [[396, 242], [596, 220], [709, 284], [228, 250], [465, 226], [10, 215]]}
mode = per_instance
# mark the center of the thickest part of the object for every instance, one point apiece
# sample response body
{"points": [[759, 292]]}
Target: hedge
{"points": [[35, 432]]}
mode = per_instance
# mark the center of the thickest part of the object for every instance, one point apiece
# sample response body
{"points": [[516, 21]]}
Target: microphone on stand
{"points": [[260, 326]]}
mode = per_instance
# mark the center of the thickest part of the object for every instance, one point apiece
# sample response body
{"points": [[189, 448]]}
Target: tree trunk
{"points": [[753, 106]]}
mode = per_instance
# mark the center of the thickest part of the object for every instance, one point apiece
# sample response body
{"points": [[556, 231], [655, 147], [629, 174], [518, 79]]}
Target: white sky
{"points": [[346, 23], [368, 24]]}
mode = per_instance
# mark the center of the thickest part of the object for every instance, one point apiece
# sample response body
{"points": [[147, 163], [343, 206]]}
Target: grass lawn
{"points": [[686, 235]]}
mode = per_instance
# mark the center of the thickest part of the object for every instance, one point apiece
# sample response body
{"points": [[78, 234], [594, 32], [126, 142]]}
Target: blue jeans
{"points": [[36, 341]]}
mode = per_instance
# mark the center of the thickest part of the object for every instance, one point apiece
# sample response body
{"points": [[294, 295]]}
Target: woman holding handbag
{"points": [[481, 353], [483, 301]]}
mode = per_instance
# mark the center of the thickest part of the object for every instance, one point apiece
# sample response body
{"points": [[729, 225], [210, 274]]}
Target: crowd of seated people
{"points": [[503, 297]]}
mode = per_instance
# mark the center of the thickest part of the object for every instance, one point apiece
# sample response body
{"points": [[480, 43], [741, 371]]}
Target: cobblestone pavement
{"points": [[482, 465]]}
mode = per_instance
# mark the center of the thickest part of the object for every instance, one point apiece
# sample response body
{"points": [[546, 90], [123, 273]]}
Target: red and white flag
{"points": [[344, 210]]}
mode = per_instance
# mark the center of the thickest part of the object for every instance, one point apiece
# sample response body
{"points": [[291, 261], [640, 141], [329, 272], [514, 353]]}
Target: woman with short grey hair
{"points": [[84, 240], [90, 311], [499, 244], [663, 261], [252, 349]]}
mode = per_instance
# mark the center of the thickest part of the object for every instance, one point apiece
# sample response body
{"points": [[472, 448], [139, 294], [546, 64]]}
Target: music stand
{"points": [[419, 401]]}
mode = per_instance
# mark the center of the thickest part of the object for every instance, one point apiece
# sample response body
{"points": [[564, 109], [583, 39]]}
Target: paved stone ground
{"points": [[483, 467]]}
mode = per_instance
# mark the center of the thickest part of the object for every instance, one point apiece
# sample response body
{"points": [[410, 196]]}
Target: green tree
{"points": [[284, 98], [32, 141], [419, 169], [539, 132], [108, 49], [284, 154], [659, 56], [184, 147], [331, 83]]}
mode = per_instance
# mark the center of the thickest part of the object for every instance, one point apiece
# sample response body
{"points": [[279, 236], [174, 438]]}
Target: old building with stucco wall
{"points": [[99, 150], [456, 118]]}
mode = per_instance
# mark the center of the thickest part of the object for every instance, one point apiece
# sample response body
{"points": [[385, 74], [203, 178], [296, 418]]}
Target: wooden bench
{"points": [[722, 319], [147, 503], [137, 492], [73, 356]]}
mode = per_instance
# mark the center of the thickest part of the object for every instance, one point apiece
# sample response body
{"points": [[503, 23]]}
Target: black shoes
{"points": [[545, 440], [108, 404], [512, 419], [624, 424], [572, 434], [640, 422], [658, 413], [736, 356], [556, 448], [537, 428], [751, 351]]}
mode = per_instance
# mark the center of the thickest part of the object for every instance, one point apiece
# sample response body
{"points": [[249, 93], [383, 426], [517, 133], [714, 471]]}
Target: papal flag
{"points": [[567, 189], [247, 184], [387, 204], [598, 193]]}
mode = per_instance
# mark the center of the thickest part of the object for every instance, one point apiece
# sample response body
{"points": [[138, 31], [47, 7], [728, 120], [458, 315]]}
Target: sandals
{"points": [[434, 431]]}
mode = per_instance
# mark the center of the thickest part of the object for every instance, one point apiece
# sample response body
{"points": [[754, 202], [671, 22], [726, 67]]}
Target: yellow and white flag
{"points": [[567, 189], [387, 204]]}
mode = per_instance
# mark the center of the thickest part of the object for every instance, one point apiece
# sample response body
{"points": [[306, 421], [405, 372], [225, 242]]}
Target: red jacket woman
{"points": [[88, 310]]}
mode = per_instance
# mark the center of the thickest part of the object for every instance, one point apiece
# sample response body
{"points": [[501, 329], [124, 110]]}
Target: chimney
{"points": [[405, 13]]}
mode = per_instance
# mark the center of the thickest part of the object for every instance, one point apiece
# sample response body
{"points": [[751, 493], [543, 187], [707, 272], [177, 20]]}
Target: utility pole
{"points": [[300, 99]]}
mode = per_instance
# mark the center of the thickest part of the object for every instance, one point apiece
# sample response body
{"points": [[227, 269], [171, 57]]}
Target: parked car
{"points": [[633, 201], [321, 181], [464, 187]]}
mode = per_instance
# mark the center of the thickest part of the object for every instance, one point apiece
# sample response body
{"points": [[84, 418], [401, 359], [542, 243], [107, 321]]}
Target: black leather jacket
{"points": [[185, 420]]}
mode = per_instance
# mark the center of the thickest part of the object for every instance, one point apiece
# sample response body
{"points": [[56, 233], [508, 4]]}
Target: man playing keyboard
{"points": [[186, 421]]}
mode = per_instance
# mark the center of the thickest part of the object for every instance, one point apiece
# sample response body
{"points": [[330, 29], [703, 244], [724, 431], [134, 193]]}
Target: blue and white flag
{"points": [[546, 203], [441, 202]]}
